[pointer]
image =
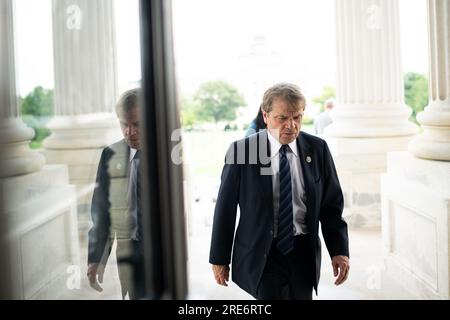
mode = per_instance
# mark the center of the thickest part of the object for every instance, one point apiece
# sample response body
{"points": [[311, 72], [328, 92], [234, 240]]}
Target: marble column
{"points": [[39, 237], [416, 188], [85, 90], [371, 117], [434, 142], [16, 158]]}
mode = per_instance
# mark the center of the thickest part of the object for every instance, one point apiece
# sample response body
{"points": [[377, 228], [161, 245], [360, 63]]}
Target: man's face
{"points": [[285, 120], [129, 123]]}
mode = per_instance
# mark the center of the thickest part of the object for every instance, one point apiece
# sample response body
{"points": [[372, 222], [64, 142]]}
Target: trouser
{"points": [[131, 269], [291, 276]]}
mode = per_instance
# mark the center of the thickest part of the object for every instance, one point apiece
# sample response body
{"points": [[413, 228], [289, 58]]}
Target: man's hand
{"points": [[221, 274], [341, 267], [94, 270]]}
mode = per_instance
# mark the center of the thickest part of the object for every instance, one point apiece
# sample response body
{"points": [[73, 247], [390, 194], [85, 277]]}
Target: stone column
{"points": [[371, 117], [85, 90], [416, 188], [434, 142], [16, 158], [38, 213]]}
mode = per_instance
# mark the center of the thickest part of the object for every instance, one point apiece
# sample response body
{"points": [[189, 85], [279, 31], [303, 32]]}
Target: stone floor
{"points": [[367, 280]]}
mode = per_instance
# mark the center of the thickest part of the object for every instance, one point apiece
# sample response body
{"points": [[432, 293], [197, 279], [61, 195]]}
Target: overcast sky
{"points": [[210, 35]]}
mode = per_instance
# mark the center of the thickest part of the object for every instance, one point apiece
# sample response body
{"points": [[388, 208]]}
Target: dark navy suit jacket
{"points": [[108, 196], [243, 184]]}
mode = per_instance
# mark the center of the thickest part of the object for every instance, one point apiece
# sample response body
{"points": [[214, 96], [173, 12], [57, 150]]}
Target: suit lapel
{"points": [[307, 163]]}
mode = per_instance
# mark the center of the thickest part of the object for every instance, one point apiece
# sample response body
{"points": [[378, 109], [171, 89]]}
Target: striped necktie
{"points": [[134, 197], [285, 237]]}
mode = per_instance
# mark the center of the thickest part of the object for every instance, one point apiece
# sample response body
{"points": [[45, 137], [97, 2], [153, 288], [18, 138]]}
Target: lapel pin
{"points": [[308, 159]]}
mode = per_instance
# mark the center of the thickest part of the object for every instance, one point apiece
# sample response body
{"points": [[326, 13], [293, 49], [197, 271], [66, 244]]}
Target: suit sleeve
{"points": [[99, 245], [334, 228], [225, 211]]}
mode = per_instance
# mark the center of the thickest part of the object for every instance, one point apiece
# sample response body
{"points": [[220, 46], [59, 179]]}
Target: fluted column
{"points": [[434, 142], [16, 158], [85, 92], [370, 81], [85, 74], [370, 118]]}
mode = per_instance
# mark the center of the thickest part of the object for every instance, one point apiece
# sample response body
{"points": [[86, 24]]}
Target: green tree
{"points": [[416, 92], [37, 108], [218, 100], [189, 112], [38, 103], [328, 92]]}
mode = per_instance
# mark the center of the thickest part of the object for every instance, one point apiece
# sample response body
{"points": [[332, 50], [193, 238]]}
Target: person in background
{"points": [[256, 124], [324, 119]]}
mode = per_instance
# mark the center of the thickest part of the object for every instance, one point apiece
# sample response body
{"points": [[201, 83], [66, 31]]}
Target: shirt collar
{"points": [[275, 145], [132, 153]]}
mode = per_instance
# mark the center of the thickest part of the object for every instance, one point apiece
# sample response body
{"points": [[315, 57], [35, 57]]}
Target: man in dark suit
{"points": [[115, 206], [285, 183]]}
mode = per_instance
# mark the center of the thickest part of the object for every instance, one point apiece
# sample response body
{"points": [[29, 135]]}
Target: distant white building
{"points": [[256, 70]]}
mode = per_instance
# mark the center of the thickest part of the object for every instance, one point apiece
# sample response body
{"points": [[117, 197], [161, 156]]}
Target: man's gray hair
{"points": [[329, 104], [287, 91], [128, 100]]}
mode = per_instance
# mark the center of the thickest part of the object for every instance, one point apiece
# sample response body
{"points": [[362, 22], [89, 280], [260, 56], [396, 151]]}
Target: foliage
{"points": [[416, 92], [37, 108], [328, 92], [307, 120], [189, 112], [38, 103], [218, 101]]}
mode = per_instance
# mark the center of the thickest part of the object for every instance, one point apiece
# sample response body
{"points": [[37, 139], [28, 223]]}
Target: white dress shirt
{"points": [[132, 153], [298, 185]]}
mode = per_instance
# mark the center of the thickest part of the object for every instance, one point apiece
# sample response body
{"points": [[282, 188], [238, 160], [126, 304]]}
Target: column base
{"points": [[433, 144], [415, 224], [359, 163], [29, 162], [78, 141], [371, 121], [89, 131], [82, 167], [16, 158]]}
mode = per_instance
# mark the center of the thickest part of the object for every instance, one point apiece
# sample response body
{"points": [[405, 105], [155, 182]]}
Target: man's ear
{"points": [[265, 117]]}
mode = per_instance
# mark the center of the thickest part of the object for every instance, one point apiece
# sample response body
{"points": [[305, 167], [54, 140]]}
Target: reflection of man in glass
{"points": [[115, 206]]}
